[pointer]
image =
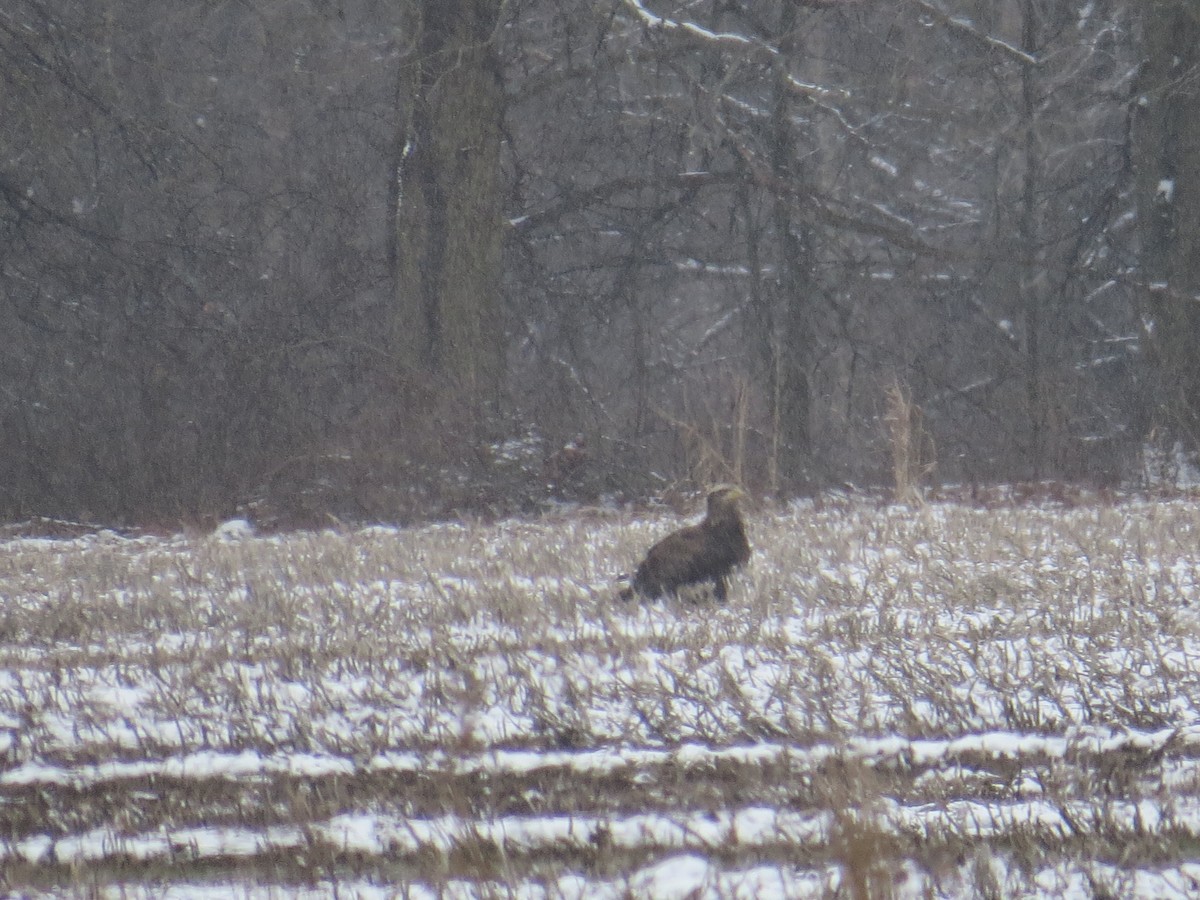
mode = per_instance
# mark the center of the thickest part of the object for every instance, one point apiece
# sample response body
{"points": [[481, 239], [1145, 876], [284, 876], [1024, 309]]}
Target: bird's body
{"points": [[699, 553]]}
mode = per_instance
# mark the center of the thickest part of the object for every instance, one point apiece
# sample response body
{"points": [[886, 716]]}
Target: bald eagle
{"points": [[705, 552]]}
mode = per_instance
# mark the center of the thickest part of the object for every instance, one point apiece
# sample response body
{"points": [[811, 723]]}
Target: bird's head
{"points": [[724, 498]]}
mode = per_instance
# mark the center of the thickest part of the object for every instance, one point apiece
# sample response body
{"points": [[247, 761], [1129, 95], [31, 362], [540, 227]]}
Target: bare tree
{"points": [[250, 252], [446, 255], [823, 198], [1168, 170]]}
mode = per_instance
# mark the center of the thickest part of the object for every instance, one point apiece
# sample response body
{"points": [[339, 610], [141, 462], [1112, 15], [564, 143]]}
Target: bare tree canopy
{"points": [[379, 260]]}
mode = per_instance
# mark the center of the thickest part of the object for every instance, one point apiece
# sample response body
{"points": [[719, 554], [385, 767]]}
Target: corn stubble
{"points": [[894, 701]]}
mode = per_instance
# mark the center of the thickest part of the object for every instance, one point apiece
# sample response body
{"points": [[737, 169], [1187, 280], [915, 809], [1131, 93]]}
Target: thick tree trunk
{"points": [[791, 344], [446, 258], [1167, 161], [1031, 280]]}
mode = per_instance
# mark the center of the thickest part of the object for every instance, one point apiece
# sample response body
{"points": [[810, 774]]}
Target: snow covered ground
{"points": [[947, 701]]}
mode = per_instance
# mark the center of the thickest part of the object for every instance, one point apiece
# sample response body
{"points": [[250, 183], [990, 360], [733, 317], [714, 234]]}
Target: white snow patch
{"points": [[233, 530]]}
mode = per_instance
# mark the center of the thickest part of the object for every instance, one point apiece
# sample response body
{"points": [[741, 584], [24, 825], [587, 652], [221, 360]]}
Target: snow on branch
{"points": [[652, 20], [815, 91], [817, 95], [967, 28]]}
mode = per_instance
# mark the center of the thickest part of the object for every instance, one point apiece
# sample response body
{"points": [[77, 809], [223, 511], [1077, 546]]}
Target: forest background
{"points": [[393, 260]]}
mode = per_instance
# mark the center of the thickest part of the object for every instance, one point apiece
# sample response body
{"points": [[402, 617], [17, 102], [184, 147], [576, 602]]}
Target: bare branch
{"points": [[691, 29], [966, 28]]}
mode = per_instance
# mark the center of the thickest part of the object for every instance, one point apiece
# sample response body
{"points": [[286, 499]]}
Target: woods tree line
{"points": [[390, 259]]}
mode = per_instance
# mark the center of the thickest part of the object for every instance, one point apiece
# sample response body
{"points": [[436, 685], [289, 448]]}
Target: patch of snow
{"points": [[233, 530], [883, 165]]}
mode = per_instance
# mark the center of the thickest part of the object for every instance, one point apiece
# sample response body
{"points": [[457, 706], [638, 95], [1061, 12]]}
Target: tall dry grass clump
{"points": [[911, 445], [714, 439]]}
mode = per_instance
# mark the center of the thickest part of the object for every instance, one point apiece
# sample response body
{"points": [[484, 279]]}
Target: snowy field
{"points": [[940, 702]]}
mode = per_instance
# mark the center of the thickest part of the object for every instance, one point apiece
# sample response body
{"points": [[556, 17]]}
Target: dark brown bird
{"points": [[705, 552]]}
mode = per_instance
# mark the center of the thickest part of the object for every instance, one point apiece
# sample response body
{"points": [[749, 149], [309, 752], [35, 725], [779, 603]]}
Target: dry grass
{"points": [[946, 700], [911, 444]]}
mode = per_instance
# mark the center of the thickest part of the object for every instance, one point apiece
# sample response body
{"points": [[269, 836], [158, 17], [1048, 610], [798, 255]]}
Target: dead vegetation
{"points": [[894, 702]]}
